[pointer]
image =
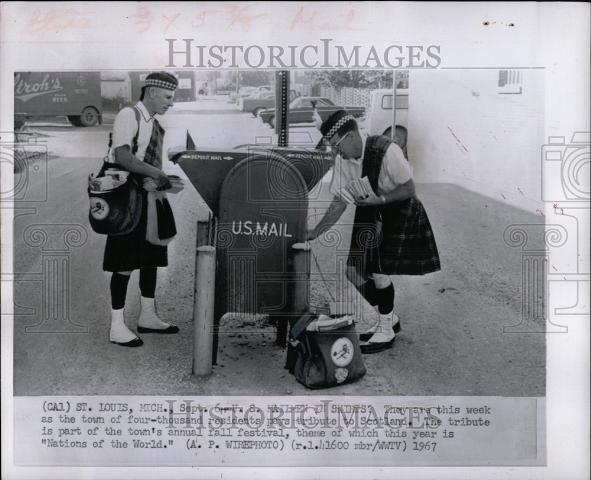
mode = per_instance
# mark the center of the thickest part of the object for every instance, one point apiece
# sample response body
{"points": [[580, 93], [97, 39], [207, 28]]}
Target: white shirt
{"points": [[395, 170], [125, 128]]}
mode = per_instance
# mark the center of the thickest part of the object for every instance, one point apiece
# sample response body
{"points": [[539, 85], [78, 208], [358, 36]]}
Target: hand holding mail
{"points": [[149, 184], [163, 182], [367, 201], [359, 192]]}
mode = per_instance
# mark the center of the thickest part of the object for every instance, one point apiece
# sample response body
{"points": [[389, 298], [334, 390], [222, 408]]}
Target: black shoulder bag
{"points": [[116, 211]]}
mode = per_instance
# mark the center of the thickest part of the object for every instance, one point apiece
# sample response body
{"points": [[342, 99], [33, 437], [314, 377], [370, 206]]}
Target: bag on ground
{"points": [[324, 351]]}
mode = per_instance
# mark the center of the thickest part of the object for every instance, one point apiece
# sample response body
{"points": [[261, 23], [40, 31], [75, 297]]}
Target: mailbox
{"points": [[259, 200]]}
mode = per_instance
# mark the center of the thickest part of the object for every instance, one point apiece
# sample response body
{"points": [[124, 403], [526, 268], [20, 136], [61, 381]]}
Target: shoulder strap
{"points": [[134, 146], [106, 164], [137, 133], [375, 149]]}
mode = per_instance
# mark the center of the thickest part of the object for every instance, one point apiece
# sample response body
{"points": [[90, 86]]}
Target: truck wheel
{"points": [[272, 121], [257, 110], [89, 117]]}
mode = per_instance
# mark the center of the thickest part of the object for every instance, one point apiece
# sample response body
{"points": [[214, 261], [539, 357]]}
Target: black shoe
{"points": [[169, 329], [376, 347], [364, 337], [136, 342]]}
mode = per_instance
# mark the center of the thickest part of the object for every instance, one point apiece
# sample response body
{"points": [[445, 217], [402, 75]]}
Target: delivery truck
{"points": [[76, 95]]}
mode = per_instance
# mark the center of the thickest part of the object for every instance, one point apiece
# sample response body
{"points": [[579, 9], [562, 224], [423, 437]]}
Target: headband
{"points": [[153, 82], [337, 126]]}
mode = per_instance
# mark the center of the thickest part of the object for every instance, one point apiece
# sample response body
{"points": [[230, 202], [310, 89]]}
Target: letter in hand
{"points": [[163, 182], [150, 184]]}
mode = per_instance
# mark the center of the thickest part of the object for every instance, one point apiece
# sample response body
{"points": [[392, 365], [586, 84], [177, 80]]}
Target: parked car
{"points": [[258, 102], [248, 91], [258, 99], [242, 92], [381, 116], [301, 109]]}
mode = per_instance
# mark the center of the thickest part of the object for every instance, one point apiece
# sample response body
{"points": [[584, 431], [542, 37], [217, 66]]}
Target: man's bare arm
{"points": [[400, 193], [332, 215], [125, 158]]}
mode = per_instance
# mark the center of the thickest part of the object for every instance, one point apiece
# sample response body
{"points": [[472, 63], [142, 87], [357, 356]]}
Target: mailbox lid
{"points": [[207, 168], [312, 164]]}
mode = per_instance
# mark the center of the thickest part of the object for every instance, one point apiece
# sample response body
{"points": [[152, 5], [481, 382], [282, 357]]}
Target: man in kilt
{"points": [[137, 147], [391, 233]]}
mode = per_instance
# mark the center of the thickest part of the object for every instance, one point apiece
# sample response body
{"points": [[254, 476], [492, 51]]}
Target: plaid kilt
{"points": [[394, 239], [132, 251]]}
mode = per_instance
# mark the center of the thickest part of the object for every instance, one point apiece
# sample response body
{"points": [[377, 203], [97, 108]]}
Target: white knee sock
{"points": [[149, 317], [381, 281], [148, 305], [119, 331], [382, 331]]}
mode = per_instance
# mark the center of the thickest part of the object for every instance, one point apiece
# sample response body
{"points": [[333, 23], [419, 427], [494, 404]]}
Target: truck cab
{"points": [[385, 112]]}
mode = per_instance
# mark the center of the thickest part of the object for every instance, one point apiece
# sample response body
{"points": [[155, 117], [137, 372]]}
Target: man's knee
{"points": [[381, 281], [123, 273]]}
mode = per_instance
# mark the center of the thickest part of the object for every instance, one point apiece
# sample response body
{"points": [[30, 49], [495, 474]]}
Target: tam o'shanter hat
{"points": [[162, 80], [340, 122]]}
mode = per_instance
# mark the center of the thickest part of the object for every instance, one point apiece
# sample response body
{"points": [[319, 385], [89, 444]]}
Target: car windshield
{"points": [[262, 94]]}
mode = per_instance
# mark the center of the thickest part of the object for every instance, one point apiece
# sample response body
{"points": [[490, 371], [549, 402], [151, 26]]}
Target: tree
{"points": [[380, 78], [255, 78], [352, 78]]}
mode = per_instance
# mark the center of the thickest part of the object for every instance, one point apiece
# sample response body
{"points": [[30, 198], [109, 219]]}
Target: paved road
{"points": [[453, 340]]}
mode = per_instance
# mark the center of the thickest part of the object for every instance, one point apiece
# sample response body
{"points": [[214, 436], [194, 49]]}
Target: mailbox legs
{"points": [[204, 295], [281, 331], [301, 294], [203, 310], [301, 268]]}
